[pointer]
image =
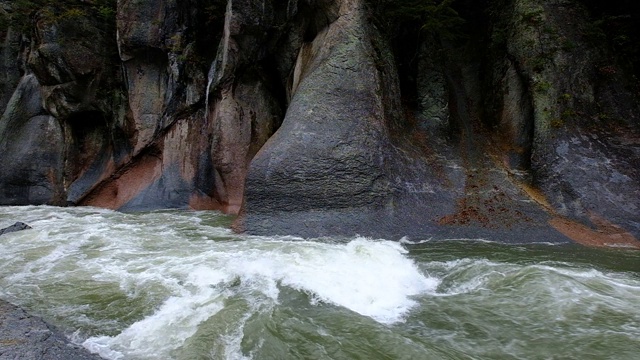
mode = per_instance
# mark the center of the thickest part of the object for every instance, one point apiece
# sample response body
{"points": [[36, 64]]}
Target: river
{"points": [[182, 285]]}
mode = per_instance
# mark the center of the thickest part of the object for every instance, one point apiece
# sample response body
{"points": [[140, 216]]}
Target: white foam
{"points": [[405, 240], [156, 335], [179, 272], [372, 278]]}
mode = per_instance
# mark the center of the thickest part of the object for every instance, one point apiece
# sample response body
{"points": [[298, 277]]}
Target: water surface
{"points": [[181, 285]]}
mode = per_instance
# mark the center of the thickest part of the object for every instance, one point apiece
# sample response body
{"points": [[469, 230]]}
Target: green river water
{"points": [[181, 285]]}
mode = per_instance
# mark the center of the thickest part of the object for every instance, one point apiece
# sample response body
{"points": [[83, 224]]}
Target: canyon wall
{"points": [[511, 120]]}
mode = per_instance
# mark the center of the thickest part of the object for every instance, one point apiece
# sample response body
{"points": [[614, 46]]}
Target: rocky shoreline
{"points": [[29, 337]]}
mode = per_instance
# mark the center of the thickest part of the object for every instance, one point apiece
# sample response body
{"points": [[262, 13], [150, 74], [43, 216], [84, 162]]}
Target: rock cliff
{"points": [[513, 120]]}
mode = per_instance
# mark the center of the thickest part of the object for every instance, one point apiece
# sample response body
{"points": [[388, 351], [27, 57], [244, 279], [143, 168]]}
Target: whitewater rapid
{"points": [[181, 285], [188, 278]]}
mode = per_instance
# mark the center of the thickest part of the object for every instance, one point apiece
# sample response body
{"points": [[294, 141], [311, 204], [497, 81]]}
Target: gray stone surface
{"points": [[329, 152], [328, 117], [560, 114], [15, 227], [32, 147], [27, 337], [10, 65]]}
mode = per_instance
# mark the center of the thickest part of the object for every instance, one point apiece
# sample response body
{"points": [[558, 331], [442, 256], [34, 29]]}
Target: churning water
{"points": [[181, 285]]}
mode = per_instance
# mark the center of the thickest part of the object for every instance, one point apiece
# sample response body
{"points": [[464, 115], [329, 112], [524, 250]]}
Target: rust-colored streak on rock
{"points": [[606, 235], [204, 202], [120, 190], [536, 195]]}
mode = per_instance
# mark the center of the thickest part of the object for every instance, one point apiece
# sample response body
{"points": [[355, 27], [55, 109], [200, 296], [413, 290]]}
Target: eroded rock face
{"points": [[329, 152], [341, 163], [332, 117], [32, 147], [10, 51], [561, 110]]}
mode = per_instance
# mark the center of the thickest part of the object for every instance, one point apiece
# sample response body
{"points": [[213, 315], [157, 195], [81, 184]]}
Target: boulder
{"points": [[28, 337], [15, 227], [330, 152]]}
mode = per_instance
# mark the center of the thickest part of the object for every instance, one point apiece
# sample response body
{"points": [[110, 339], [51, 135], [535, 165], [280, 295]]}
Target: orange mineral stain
{"points": [[606, 234]]}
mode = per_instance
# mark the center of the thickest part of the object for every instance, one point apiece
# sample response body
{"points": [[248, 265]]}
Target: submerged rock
{"points": [[15, 227]]}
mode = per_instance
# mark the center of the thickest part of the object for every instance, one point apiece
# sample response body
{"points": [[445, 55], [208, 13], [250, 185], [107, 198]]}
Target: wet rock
{"points": [[28, 337], [15, 227]]}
